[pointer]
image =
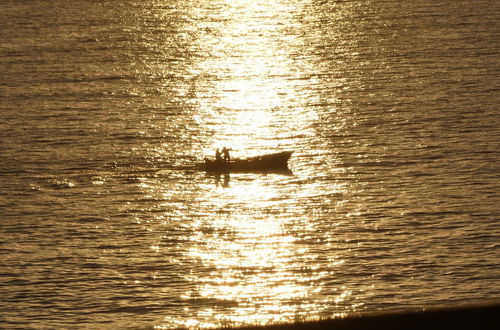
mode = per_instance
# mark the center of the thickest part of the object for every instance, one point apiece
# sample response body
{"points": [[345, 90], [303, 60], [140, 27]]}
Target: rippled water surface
{"points": [[391, 109]]}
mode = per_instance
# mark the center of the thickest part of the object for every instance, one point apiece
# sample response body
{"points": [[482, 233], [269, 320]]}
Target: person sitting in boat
{"points": [[225, 153], [217, 155]]}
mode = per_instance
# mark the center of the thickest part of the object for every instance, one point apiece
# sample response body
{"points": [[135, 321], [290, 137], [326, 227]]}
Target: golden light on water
{"points": [[251, 267], [257, 267], [109, 221], [244, 105]]}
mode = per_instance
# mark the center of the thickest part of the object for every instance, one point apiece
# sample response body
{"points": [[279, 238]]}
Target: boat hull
{"points": [[264, 163]]}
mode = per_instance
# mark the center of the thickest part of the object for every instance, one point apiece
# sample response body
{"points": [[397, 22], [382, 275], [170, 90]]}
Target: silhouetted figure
{"points": [[225, 153], [217, 155]]}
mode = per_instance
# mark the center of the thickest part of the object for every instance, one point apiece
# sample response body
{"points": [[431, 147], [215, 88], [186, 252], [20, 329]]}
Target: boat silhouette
{"points": [[275, 162]]}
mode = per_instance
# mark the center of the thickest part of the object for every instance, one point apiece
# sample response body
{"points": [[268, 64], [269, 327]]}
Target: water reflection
{"points": [[225, 182], [249, 90], [252, 258], [248, 242]]}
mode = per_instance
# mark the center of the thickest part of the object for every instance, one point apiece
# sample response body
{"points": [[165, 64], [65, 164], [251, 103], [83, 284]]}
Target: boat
{"points": [[264, 163]]}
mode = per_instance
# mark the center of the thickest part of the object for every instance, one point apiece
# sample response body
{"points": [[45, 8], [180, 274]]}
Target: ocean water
{"points": [[391, 109]]}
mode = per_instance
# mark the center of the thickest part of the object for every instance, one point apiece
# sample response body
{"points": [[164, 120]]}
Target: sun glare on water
{"points": [[250, 104]]}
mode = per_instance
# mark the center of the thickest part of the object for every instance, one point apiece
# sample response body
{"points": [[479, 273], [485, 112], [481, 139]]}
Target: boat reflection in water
{"points": [[276, 162], [224, 183]]}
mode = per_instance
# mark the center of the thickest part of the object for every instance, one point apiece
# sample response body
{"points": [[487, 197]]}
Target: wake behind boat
{"points": [[264, 163]]}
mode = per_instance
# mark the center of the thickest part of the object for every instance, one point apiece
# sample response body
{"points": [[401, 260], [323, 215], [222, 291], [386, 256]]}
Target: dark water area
{"points": [[458, 317], [391, 109]]}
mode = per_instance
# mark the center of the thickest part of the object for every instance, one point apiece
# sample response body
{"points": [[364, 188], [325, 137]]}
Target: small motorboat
{"points": [[265, 163]]}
